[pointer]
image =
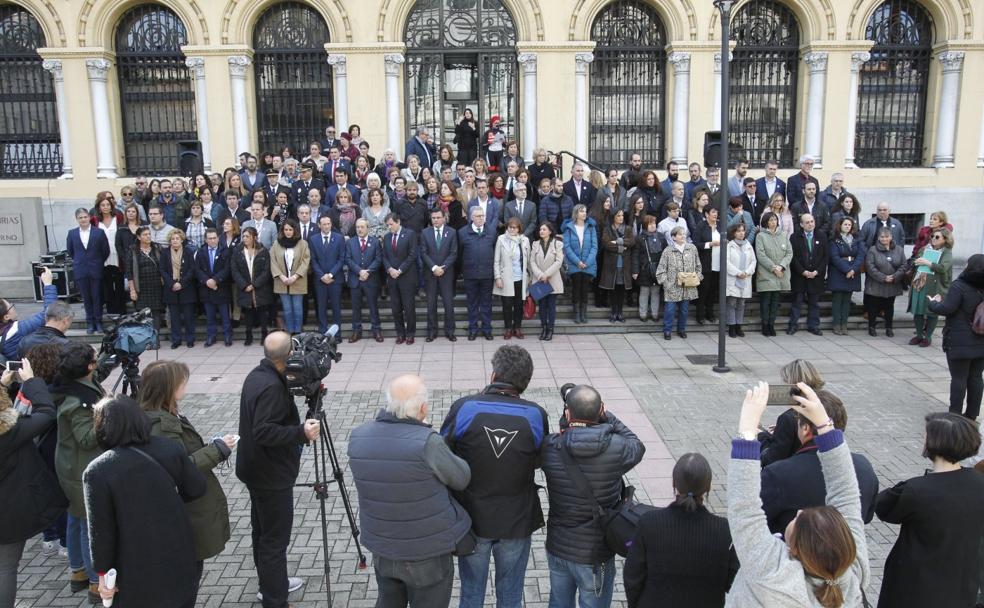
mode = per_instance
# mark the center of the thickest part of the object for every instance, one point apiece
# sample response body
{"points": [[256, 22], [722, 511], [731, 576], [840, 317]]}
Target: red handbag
{"points": [[529, 308]]}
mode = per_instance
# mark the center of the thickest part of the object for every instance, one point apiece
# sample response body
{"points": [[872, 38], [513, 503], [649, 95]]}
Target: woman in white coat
{"points": [[546, 259], [512, 257], [741, 268]]}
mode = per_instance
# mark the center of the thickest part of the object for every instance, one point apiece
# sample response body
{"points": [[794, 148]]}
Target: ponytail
{"points": [[688, 502], [691, 481], [829, 594]]}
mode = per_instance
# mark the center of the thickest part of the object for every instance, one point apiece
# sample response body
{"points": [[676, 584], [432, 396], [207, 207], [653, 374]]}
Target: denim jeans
{"points": [[511, 556], [10, 555], [79, 556], [293, 314], [593, 584], [425, 583], [670, 313]]}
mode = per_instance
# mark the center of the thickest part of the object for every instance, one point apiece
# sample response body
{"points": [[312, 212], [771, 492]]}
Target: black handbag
{"points": [[619, 522]]}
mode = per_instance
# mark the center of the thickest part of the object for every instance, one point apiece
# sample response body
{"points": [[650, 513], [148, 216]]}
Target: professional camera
{"points": [[310, 361], [125, 338]]}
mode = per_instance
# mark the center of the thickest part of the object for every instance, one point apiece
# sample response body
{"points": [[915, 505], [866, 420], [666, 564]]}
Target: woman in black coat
{"points": [[134, 495], [964, 349], [30, 497], [253, 283], [704, 239], [177, 265], [466, 137], [936, 560], [682, 555]]}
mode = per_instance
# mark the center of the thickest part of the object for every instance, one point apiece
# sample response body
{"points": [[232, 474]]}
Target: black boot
{"points": [[731, 331], [543, 332], [765, 329], [549, 334], [738, 331], [249, 337], [583, 312]]}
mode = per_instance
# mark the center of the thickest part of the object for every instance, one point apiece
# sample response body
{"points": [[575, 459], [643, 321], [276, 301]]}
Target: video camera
{"points": [[310, 361], [125, 338]]}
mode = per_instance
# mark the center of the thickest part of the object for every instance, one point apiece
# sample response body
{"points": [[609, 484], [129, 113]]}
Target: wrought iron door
{"points": [[627, 85], [764, 68], [460, 49], [294, 89], [30, 145], [156, 96], [893, 86]]}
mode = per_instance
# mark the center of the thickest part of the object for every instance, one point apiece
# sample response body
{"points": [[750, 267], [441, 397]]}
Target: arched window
{"points": [[893, 85], [628, 85], [762, 111], [29, 142], [156, 98], [295, 100], [460, 54]]}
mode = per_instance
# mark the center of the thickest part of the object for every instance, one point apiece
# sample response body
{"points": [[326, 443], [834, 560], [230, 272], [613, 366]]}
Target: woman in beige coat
{"points": [[546, 259], [290, 259], [512, 255], [679, 256]]}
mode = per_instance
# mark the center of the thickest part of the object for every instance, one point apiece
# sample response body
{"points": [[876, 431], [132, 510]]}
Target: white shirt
{"points": [[579, 230], [770, 187], [111, 230], [289, 260], [84, 235]]}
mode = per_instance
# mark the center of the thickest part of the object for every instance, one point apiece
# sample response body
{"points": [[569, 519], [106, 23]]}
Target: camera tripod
{"points": [[324, 448], [129, 377]]}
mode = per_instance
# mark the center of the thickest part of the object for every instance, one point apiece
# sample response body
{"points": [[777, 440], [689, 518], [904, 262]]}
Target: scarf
{"points": [[680, 247], [742, 261], [288, 243], [176, 264], [848, 239], [445, 202], [346, 217], [498, 193]]}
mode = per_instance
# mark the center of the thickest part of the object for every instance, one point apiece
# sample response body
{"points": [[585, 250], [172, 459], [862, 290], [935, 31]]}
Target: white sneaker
{"points": [[62, 551], [49, 547], [293, 584]]}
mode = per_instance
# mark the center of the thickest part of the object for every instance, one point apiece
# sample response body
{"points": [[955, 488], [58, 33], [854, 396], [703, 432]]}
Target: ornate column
{"points": [[817, 61], [717, 89], [528, 61], [946, 121], [238, 64], [392, 63], [857, 59], [55, 67], [338, 65], [105, 153], [581, 62], [681, 105], [196, 66]]}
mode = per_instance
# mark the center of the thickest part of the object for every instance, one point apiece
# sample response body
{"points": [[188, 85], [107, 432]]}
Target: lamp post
{"points": [[724, 6]]}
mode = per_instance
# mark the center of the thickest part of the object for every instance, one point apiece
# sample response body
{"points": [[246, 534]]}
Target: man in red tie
{"points": [[400, 263], [363, 259]]}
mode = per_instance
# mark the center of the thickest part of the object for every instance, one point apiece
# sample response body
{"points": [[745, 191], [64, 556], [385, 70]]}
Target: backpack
{"points": [[977, 323]]}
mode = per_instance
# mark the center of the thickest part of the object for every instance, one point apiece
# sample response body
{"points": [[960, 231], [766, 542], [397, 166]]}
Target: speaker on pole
{"points": [[712, 149], [190, 158]]}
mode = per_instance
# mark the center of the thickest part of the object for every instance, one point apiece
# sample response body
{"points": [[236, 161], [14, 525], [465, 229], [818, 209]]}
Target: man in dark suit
{"points": [[812, 205], [696, 181], [795, 483], [303, 186], [579, 189], [400, 263], [212, 269], [476, 244], [88, 247], [232, 208], [809, 269], [307, 228], [327, 258], [770, 184], [489, 204], [330, 140], [439, 250], [333, 164], [363, 259], [750, 199], [524, 210], [796, 184], [421, 145], [253, 179], [273, 187], [340, 183]]}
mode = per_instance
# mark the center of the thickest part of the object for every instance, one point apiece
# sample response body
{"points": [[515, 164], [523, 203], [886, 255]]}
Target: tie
{"points": [[809, 241], [304, 232], [480, 231], [324, 241], [393, 240], [363, 246], [211, 260], [437, 237], [520, 209]]}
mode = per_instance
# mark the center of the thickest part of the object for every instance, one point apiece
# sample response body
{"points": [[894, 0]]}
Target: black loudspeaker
{"points": [[712, 150], [190, 158]]}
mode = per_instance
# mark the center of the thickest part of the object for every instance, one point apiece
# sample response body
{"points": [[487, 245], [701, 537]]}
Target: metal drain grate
{"points": [[702, 359]]}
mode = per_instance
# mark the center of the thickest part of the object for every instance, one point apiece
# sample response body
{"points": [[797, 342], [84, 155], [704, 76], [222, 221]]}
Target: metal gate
{"points": [[30, 145], [460, 51], [156, 97], [628, 86], [294, 88], [762, 112], [893, 85]]}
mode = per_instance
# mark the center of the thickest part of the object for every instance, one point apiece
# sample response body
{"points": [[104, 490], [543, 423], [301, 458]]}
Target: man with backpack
{"points": [[584, 464]]}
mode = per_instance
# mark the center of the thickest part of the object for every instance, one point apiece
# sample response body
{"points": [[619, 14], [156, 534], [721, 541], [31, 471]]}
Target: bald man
{"points": [[404, 473], [269, 458]]}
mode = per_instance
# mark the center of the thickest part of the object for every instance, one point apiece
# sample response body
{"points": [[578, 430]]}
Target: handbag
{"points": [[977, 325], [529, 307], [619, 522], [687, 279], [539, 290]]}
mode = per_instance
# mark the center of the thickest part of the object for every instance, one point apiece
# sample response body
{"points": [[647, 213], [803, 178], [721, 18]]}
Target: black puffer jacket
{"points": [[959, 304], [604, 452]]}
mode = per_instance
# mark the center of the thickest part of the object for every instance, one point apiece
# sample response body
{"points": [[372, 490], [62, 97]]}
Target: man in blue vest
{"points": [[404, 473]]}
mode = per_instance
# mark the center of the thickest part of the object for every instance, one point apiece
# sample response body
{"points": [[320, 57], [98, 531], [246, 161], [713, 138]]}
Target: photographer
{"points": [[604, 449], [404, 472], [12, 329], [268, 463], [58, 319]]}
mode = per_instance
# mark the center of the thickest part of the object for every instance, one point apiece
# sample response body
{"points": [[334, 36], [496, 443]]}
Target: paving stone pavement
{"points": [[887, 386]]}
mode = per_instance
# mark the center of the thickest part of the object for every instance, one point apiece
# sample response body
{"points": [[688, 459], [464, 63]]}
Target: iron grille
{"points": [[627, 85], [294, 88], [762, 112], [893, 86], [30, 145], [460, 50]]}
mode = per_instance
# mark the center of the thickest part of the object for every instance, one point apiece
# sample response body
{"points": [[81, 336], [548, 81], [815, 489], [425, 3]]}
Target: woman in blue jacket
{"points": [[13, 329], [581, 253], [844, 274]]}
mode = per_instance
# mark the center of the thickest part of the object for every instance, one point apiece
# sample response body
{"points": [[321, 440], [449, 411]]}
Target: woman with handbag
{"points": [[512, 255], [546, 259], [679, 272], [931, 278], [741, 267], [619, 265], [885, 266], [649, 247]]}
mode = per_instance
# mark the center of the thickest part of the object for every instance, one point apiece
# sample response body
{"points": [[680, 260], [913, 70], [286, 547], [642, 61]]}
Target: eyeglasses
{"points": [[937, 236], [127, 194]]}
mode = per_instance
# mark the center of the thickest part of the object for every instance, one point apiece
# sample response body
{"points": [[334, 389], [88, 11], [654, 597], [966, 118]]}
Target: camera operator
{"points": [[57, 320], [269, 459], [404, 472], [605, 449]]}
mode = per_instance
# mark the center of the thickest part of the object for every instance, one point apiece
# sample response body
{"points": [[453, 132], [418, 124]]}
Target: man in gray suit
{"points": [[266, 230], [522, 209]]}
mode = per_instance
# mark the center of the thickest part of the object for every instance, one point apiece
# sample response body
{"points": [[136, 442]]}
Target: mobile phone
{"points": [[236, 440], [782, 394], [14, 366]]}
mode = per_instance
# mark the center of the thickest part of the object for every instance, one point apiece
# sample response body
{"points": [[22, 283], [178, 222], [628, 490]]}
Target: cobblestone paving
{"points": [[887, 387]]}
